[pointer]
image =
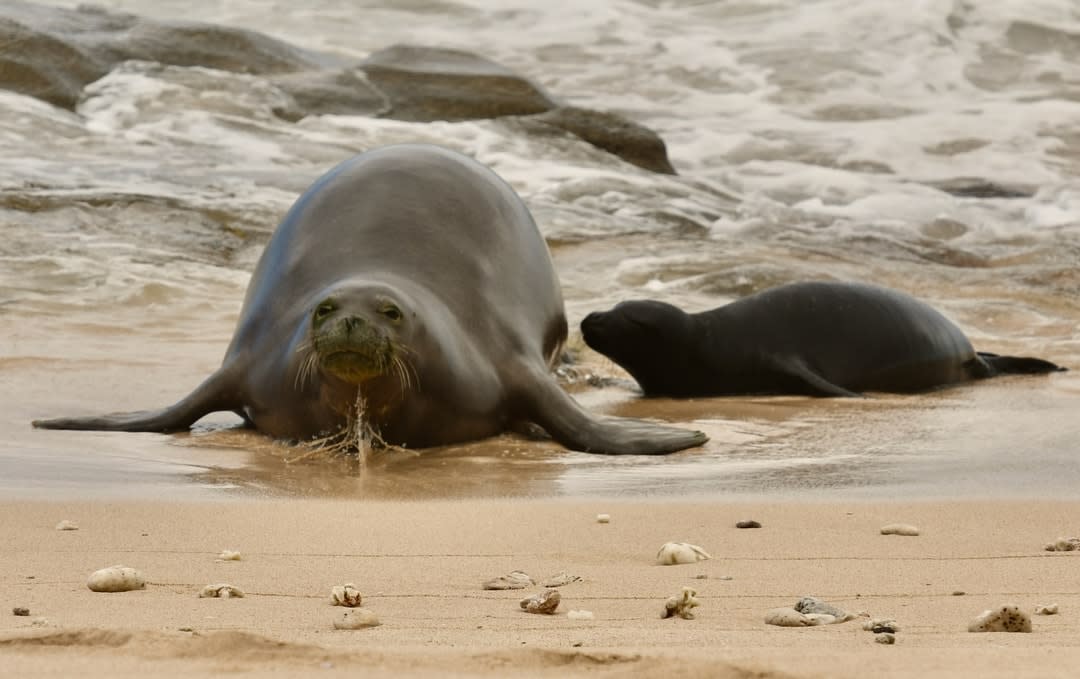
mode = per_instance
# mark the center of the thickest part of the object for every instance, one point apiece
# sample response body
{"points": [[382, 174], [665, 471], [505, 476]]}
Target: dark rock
{"points": [[748, 524], [19, 610], [973, 187], [430, 83], [344, 92], [634, 143]]}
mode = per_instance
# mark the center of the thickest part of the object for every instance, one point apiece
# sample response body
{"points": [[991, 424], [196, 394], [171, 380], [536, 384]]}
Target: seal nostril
{"points": [[351, 323]]}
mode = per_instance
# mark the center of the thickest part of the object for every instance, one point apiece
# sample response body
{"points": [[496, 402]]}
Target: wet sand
{"points": [[420, 565]]}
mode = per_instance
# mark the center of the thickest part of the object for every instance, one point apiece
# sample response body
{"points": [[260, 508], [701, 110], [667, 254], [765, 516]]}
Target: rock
{"points": [[20, 611], [673, 553], [67, 525], [682, 604], [512, 580], [424, 84], [1006, 618], [116, 579], [221, 591], [339, 92], [880, 625], [1049, 609], [748, 524], [544, 602], [885, 638], [346, 595], [619, 136], [899, 529], [560, 579], [1064, 545], [357, 618]]}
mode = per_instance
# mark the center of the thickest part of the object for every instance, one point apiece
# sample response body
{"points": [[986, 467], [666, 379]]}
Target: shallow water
{"points": [[808, 136]]}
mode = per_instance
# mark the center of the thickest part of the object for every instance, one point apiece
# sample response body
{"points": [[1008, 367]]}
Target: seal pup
{"points": [[408, 286], [815, 338]]}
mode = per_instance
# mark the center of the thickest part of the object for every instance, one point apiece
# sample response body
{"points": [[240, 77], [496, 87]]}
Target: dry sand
{"points": [[420, 565]]}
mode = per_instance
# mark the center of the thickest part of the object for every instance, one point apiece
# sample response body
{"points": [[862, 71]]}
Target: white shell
{"points": [[899, 529], [346, 595], [221, 591], [603, 518], [789, 617], [673, 553], [869, 625], [228, 555], [67, 525], [116, 579], [580, 615], [1006, 618], [1049, 609], [357, 618]]}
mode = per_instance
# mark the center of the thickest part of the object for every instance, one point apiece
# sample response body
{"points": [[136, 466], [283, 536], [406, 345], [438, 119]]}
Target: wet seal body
{"points": [[814, 338], [410, 284]]}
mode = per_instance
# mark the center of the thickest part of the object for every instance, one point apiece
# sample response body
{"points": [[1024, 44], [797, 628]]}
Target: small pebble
{"points": [[603, 518], [560, 579], [357, 618], [959, 592], [221, 591], [899, 529], [673, 553], [748, 524], [19, 610], [67, 525], [1007, 618], [682, 604], [346, 595], [885, 638], [1049, 609], [580, 615], [229, 555], [1064, 545], [186, 629], [512, 580], [116, 579], [577, 644], [544, 602]]}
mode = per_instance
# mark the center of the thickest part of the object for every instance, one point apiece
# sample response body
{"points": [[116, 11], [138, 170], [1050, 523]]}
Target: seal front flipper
{"points": [[816, 384], [539, 399], [215, 393]]}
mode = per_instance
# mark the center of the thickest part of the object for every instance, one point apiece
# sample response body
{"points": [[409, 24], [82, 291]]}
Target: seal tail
{"points": [[214, 394], [990, 365]]}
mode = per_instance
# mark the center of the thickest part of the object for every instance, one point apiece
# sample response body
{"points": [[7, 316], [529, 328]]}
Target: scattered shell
{"points": [[789, 617], [228, 555], [885, 638], [1064, 545], [116, 579], [1006, 618], [19, 610], [879, 625], [899, 529], [346, 595], [512, 580], [357, 618], [748, 524], [560, 579], [221, 591], [1049, 609], [680, 552], [603, 518], [67, 525], [681, 604], [580, 615], [725, 577], [543, 602], [809, 605]]}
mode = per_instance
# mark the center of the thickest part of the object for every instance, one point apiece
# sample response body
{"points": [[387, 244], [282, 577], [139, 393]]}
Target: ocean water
{"points": [[812, 140]]}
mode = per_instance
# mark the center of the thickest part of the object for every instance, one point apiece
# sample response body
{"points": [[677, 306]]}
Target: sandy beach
{"points": [[420, 565]]}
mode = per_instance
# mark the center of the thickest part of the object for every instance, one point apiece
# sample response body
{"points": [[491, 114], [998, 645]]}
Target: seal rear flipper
{"points": [[214, 394], [542, 401], [814, 383], [989, 365]]}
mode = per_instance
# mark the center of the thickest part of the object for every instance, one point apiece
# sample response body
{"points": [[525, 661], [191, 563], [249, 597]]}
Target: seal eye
{"points": [[392, 312], [324, 310]]}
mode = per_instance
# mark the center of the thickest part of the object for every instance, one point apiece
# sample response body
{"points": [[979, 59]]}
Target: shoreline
{"points": [[420, 565]]}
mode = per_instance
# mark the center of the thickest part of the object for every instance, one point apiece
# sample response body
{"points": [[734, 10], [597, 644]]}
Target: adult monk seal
{"points": [[817, 338], [412, 280]]}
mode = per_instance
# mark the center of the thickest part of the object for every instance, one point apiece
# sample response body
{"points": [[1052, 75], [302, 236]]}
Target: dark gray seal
{"points": [[818, 338], [409, 284]]}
